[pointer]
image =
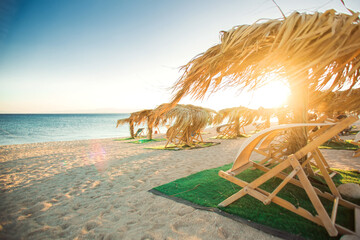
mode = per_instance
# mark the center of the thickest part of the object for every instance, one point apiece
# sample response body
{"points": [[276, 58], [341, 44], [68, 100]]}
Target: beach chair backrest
{"points": [[249, 145], [139, 131]]}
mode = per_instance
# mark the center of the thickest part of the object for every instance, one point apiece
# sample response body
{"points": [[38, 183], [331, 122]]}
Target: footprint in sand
{"points": [[91, 225], [76, 206], [222, 233], [183, 227], [184, 211], [65, 226]]}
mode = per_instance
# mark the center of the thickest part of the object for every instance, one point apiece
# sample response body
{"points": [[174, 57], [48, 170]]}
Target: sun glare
{"points": [[274, 94]]}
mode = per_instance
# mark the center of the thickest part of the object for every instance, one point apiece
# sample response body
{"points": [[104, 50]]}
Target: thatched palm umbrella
{"points": [[130, 121], [238, 116], [187, 120], [337, 102], [318, 51], [137, 118]]}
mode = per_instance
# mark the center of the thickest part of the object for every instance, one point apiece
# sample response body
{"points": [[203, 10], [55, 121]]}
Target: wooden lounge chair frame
{"points": [[185, 137], [322, 218], [228, 130], [139, 133], [275, 155]]}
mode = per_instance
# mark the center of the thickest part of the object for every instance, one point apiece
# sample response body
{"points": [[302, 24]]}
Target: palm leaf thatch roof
{"points": [[242, 114], [320, 50], [247, 115], [336, 102], [123, 121], [185, 119], [182, 113], [136, 117]]}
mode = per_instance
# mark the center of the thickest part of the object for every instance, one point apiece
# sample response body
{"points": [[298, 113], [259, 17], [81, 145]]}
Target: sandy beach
{"points": [[98, 189]]}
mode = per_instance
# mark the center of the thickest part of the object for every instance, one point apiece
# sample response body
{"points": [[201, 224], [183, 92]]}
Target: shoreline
{"points": [[98, 189]]}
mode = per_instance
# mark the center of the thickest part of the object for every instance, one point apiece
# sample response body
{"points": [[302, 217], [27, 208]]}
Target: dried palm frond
{"points": [[334, 103], [237, 118], [186, 120], [137, 118], [310, 50], [122, 121]]}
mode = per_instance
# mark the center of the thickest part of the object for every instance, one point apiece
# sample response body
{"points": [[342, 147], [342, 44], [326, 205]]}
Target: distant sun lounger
{"points": [[139, 133]]}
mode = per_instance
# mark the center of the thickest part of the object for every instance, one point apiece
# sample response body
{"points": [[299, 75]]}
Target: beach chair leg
{"points": [[326, 175], [254, 184], [325, 219]]}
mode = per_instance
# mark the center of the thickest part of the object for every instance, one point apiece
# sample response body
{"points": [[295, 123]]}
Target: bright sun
{"points": [[274, 94]]}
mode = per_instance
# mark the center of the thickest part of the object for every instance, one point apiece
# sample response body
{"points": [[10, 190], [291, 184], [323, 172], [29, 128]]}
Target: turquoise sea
{"points": [[34, 128]]}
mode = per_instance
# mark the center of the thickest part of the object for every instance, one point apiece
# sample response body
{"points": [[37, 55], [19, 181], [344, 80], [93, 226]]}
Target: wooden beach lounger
{"points": [[229, 131], [275, 152], [181, 137], [313, 154], [139, 133]]}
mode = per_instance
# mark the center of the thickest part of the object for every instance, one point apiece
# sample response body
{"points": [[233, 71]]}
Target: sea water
{"points": [[34, 128]]}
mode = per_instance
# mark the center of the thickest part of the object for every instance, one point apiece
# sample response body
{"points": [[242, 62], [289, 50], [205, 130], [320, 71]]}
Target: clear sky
{"points": [[114, 55]]}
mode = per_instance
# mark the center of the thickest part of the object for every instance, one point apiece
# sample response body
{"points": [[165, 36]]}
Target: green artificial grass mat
{"points": [[347, 145], [207, 189], [140, 141], [173, 147]]}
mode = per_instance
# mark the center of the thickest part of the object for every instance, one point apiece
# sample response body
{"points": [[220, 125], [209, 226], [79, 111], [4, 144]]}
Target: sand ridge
{"points": [[98, 189]]}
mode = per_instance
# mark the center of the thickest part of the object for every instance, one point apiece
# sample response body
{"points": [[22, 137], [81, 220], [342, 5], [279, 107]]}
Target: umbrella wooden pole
{"points": [[150, 127], [299, 103], [132, 129], [237, 126]]}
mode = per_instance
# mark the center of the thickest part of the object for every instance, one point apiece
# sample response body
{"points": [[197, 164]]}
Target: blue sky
{"points": [[113, 55]]}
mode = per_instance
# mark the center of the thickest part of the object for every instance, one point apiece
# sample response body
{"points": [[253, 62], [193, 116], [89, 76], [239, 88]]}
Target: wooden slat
{"points": [[270, 174], [256, 194], [329, 226], [321, 156], [324, 137], [342, 230], [300, 211], [325, 175], [357, 221], [281, 202], [297, 183], [254, 184], [233, 198], [289, 206], [334, 210], [281, 186], [235, 180], [240, 169], [333, 174]]}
